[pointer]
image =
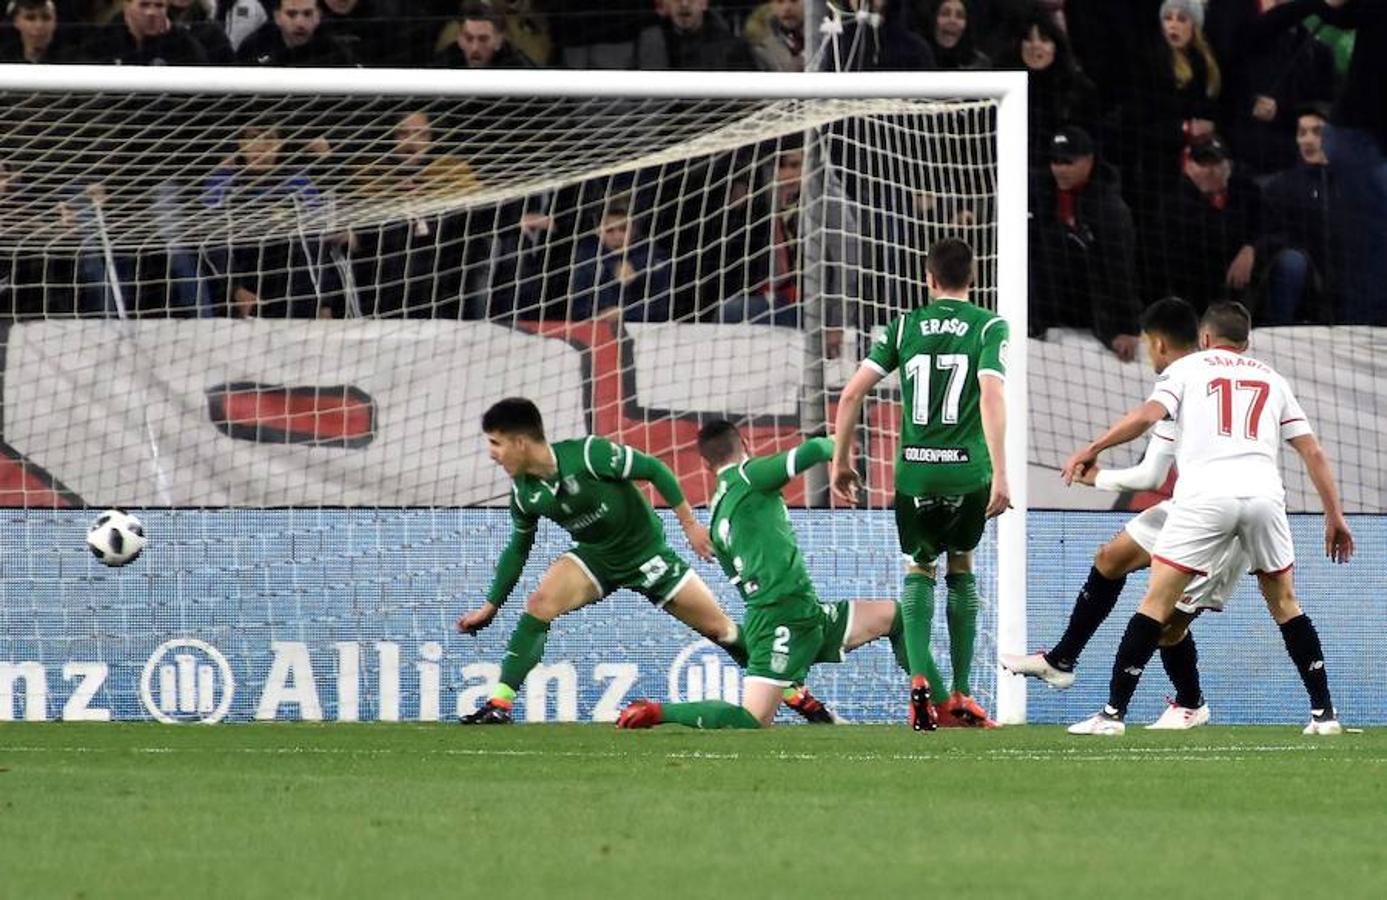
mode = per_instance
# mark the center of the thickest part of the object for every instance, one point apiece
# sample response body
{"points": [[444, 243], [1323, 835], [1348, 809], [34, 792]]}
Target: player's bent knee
{"points": [[1119, 557], [544, 605]]}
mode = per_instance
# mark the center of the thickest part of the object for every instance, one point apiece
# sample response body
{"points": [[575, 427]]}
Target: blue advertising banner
{"points": [[348, 615]]}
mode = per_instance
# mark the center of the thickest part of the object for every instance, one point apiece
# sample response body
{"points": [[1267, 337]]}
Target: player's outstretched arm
{"points": [[992, 404], [1338, 539], [771, 473], [1146, 475], [844, 478], [508, 569], [644, 467], [1128, 428]]}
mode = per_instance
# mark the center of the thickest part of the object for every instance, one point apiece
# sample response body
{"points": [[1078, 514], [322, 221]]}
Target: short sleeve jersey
{"points": [[592, 498], [1232, 413], [941, 351], [753, 538]]}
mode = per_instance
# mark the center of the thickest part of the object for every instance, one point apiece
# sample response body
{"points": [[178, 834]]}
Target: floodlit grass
{"points": [[289, 811]]}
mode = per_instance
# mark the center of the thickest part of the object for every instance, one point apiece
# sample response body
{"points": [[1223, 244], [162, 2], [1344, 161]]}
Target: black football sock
{"points": [[1094, 604], [1303, 644], [1182, 665], [1139, 643]]}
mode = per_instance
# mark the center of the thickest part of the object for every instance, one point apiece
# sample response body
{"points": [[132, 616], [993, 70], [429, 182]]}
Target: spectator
{"points": [[481, 42], [1362, 105], [1082, 247], [1208, 229], [945, 27], [276, 276], [1305, 231], [354, 25], [617, 276], [688, 38], [1273, 66], [780, 48], [144, 36], [513, 279], [414, 266], [1058, 93], [1177, 101], [293, 38], [34, 36], [193, 16], [888, 45], [761, 256], [1356, 146]]}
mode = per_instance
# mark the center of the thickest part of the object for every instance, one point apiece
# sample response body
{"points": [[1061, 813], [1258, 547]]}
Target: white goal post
{"points": [[809, 101]]}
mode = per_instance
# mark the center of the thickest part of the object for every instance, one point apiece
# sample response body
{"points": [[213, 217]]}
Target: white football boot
{"points": [[1034, 665], [1180, 718], [1323, 722], [1103, 724]]}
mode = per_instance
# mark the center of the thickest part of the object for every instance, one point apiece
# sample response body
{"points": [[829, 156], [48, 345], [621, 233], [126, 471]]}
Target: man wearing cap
{"points": [[1082, 246], [1207, 229]]}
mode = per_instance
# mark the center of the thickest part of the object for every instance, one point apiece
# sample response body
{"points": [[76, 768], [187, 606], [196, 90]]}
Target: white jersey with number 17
{"points": [[1232, 413]]}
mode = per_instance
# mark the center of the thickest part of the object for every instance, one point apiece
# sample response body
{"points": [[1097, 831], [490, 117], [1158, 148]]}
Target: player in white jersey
{"points": [[1172, 329], [1232, 412]]}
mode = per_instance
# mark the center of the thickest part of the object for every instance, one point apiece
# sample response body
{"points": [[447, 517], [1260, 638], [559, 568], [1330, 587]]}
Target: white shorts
{"points": [[1199, 535], [1205, 591]]}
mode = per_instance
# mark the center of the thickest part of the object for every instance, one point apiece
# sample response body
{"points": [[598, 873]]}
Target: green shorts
{"points": [[929, 526], [658, 574], [781, 648]]}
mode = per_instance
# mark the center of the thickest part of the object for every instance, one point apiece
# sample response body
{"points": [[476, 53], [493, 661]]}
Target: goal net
{"points": [[267, 314]]}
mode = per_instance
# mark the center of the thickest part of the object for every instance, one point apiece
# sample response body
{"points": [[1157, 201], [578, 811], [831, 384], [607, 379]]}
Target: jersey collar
{"points": [[731, 465], [1228, 348]]}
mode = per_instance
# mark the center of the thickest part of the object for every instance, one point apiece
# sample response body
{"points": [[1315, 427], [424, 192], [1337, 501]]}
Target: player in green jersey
{"points": [[950, 469], [586, 486], [787, 629]]}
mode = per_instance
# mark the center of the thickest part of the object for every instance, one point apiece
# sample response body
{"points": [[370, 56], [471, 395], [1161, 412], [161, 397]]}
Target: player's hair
{"points": [[514, 415], [1229, 321], [719, 441], [950, 261], [1173, 319]]}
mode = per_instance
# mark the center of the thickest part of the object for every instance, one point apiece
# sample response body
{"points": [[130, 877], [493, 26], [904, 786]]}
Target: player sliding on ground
{"points": [[586, 486], [1170, 328], [787, 630], [950, 471], [1231, 412]]}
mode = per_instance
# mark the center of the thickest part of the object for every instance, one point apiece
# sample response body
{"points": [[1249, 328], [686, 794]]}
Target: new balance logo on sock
{"points": [[1134, 671], [1316, 665]]}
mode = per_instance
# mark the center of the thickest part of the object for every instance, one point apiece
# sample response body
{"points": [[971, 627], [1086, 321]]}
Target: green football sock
{"points": [[897, 638], [524, 651], [962, 610], [917, 613], [708, 714], [736, 648]]}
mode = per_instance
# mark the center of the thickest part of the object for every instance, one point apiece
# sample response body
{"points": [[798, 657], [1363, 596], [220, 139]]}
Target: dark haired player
{"points": [[1170, 328], [950, 470], [1232, 413], [787, 629], [587, 487]]}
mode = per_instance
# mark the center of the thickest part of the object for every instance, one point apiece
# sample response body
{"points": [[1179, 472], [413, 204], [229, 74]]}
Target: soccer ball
{"points": [[116, 537]]}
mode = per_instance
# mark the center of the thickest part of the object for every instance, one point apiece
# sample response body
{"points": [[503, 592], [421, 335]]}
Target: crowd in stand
{"points": [[1206, 148]]}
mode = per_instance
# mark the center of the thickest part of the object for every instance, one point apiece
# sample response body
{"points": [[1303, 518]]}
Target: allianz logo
{"points": [[702, 671]]}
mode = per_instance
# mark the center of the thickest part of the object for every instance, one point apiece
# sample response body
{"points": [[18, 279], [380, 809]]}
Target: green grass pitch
{"points": [[297, 811]]}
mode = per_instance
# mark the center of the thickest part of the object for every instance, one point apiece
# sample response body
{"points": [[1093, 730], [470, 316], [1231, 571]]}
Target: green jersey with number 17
{"points": [[941, 351]]}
